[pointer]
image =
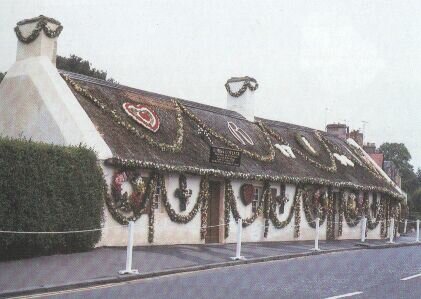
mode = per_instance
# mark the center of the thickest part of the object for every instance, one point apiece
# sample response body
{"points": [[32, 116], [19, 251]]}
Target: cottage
{"points": [[184, 171]]}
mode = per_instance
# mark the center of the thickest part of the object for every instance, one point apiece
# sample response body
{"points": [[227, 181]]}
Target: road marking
{"points": [[345, 295], [70, 291], [410, 277]]}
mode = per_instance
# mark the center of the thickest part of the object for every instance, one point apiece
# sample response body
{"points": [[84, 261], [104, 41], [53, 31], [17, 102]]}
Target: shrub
{"points": [[48, 188]]}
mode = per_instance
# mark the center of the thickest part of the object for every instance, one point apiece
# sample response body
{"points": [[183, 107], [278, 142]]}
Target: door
{"points": [[213, 231]]}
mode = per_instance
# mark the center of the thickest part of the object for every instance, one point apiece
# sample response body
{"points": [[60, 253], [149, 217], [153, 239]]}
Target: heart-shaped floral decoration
{"points": [[143, 115]]}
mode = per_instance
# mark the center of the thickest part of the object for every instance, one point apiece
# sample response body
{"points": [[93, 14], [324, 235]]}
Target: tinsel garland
{"points": [[175, 147], [133, 164], [42, 24], [246, 84], [264, 158], [279, 138]]}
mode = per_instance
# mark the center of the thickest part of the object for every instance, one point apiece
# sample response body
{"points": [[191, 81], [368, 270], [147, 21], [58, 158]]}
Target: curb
{"points": [[121, 279], [383, 246]]}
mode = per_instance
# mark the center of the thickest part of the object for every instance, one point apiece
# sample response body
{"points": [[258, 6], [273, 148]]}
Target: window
{"points": [[257, 195]]}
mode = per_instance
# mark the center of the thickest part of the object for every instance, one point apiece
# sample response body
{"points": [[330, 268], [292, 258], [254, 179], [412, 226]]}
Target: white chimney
{"points": [[240, 97], [35, 101], [37, 37]]}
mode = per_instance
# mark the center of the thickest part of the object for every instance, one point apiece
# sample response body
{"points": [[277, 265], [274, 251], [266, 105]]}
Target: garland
{"points": [[279, 138], [352, 216], [42, 24], [181, 219], [330, 228], [264, 158], [341, 213], [365, 164], [205, 195], [274, 218], [154, 203], [312, 208], [267, 206], [246, 84], [297, 217], [118, 214], [175, 147], [133, 164]]}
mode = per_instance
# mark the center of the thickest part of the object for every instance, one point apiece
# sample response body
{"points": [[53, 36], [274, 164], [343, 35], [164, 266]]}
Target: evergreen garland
{"points": [[42, 24]]}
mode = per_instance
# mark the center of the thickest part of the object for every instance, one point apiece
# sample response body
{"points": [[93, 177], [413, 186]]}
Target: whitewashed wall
{"points": [[168, 232]]}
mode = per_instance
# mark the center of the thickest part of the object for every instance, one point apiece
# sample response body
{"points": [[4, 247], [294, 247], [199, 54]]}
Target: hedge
{"points": [[48, 188]]}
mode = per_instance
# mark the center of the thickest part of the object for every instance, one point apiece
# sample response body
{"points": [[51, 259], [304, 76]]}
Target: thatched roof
{"points": [[133, 145]]}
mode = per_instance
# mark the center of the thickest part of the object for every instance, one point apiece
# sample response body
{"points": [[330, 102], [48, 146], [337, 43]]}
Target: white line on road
{"points": [[345, 295], [410, 277]]}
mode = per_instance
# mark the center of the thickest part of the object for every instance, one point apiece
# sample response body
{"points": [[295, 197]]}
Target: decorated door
{"points": [[213, 230]]}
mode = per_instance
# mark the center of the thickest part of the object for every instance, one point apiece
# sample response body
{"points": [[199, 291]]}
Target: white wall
{"points": [[168, 232], [37, 104]]}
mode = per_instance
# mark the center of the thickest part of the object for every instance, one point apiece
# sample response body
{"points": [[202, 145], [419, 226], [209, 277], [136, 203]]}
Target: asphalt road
{"points": [[360, 274]]}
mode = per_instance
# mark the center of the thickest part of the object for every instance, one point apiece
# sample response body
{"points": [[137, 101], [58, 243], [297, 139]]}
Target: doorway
{"points": [[213, 231]]}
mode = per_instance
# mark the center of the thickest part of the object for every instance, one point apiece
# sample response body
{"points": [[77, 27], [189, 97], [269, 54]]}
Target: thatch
{"points": [[195, 149]]}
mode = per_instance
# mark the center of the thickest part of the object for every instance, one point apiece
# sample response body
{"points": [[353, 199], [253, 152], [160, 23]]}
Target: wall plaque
{"points": [[225, 156]]}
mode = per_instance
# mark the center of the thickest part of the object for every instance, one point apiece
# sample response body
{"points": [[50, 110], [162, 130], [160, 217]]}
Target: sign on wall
{"points": [[225, 156]]}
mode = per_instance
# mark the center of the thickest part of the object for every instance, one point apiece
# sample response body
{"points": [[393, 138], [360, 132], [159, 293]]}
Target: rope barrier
{"points": [[59, 232], [232, 227]]}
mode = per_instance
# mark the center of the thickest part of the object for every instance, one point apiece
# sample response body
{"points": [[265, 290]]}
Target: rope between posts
{"points": [[59, 232]]}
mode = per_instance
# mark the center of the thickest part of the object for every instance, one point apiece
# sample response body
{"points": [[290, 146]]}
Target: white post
{"points": [[418, 231], [238, 248], [363, 228], [316, 240], [129, 255], [391, 230], [404, 226]]}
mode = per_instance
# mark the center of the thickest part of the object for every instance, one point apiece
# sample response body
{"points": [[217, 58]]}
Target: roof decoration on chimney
{"points": [[248, 82], [41, 24]]}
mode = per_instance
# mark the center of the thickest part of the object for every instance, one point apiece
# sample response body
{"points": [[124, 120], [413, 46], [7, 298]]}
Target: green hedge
{"points": [[48, 188]]}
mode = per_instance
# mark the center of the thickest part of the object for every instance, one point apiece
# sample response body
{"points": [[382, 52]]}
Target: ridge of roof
{"points": [[188, 103]]}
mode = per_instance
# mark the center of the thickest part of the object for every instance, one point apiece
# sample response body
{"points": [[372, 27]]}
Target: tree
{"points": [[2, 76], [81, 66], [399, 154]]}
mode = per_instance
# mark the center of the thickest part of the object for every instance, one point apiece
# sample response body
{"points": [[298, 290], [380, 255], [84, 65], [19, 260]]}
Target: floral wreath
{"points": [[42, 24], [128, 203]]}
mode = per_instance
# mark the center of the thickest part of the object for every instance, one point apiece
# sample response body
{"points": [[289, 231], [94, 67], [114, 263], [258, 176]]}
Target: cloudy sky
{"points": [[316, 61]]}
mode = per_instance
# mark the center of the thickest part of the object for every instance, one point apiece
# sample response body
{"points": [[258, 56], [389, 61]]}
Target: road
{"points": [[356, 274]]}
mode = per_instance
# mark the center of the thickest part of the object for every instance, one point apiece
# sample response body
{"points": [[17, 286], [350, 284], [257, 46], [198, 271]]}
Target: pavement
{"points": [[101, 265]]}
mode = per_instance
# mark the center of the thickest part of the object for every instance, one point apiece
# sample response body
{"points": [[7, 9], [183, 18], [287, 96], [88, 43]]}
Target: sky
{"points": [[315, 61]]}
